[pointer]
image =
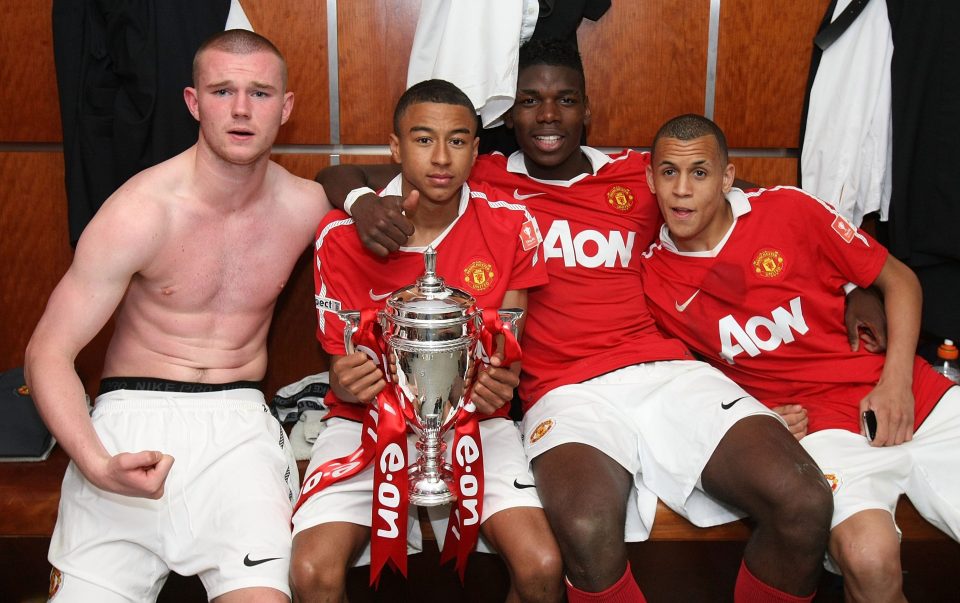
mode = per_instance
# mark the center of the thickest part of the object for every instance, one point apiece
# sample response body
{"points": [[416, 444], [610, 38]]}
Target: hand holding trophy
{"points": [[431, 333]]}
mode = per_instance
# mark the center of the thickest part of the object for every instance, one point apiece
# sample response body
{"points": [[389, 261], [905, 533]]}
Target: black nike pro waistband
{"points": [[152, 384]]}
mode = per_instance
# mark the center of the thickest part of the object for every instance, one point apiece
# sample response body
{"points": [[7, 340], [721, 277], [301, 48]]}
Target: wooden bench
{"points": [[30, 494]]}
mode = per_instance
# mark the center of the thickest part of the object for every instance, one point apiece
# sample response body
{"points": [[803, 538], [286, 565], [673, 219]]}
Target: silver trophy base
{"points": [[431, 490]]}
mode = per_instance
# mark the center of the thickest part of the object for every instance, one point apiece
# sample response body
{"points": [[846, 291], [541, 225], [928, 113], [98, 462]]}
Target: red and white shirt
{"points": [[486, 251], [766, 306], [592, 318]]}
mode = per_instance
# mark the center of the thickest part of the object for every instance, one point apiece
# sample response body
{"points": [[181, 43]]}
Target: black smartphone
{"points": [[869, 424]]}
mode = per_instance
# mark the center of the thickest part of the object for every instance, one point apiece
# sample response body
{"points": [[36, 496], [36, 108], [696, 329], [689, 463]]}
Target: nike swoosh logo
{"points": [[729, 405], [519, 197], [520, 486], [683, 306], [378, 297], [254, 562]]}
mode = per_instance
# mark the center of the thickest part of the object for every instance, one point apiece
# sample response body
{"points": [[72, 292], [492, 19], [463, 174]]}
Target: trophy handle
{"points": [[510, 318], [351, 319]]}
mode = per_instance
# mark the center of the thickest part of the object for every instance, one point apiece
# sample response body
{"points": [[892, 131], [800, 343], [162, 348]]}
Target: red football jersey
{"points": [[591, 318], [767, 306], [487, 251]]}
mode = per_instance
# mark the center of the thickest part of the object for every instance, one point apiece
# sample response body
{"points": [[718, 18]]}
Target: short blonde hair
{"points": [[238, 41]]}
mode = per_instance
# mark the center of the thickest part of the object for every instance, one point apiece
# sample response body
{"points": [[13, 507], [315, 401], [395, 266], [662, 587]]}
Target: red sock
{"points": [[624, 591], [751, 590]]}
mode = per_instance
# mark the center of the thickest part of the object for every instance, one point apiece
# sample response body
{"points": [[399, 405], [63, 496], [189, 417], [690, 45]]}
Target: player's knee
{"points": [[539, 577], [313, 578], [871, 571], [594, 552], [802, 512]]}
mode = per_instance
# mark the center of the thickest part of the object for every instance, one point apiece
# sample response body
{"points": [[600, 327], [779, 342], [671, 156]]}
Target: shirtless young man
{"points": [[614, 409], [190, 256]]}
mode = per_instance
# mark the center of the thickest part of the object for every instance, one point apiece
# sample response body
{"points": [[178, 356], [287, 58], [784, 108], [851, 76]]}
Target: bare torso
{"points": [[200, 306]]}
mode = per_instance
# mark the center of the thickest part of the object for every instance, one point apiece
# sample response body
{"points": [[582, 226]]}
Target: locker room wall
{"points": [[742, 61]]}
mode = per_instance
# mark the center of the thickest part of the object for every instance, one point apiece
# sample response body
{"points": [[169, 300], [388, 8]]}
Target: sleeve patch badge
{"points": [[844, 229], [529, 235]]}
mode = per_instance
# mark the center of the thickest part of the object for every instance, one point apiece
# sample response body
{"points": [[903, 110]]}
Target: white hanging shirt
{"points": [[847, 149]]}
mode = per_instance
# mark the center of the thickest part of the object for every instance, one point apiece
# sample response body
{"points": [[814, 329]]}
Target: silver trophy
{"points": [[431, 333]]}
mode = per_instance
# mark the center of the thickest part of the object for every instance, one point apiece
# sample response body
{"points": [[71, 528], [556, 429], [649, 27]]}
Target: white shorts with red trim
{"points": [[661, 421]]}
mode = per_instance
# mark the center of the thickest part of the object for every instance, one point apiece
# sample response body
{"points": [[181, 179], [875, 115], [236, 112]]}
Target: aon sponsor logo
{"points": [[760, 332], [589, 248]]}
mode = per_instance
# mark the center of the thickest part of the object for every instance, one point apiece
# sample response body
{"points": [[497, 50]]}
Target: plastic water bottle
{"points": [[946, 363]]}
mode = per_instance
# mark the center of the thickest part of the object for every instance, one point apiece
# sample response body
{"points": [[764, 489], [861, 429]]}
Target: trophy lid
{"points": [[430, 299]]}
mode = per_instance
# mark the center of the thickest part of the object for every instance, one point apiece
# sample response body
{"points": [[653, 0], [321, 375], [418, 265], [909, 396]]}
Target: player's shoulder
{"points": [[491, 203], [337, 226], [299, 191], [494, 160], [629, 159], [780, 199], [147, 201]]}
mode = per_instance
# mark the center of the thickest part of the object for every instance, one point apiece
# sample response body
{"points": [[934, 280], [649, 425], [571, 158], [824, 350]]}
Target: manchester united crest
{"points": [[620, 198], [768, 263], [834, 480], [479, 275], [541, 430]]}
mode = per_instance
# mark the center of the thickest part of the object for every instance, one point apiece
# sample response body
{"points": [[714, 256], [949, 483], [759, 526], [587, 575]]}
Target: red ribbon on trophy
{"points": [[383, 437], [463, 527]]}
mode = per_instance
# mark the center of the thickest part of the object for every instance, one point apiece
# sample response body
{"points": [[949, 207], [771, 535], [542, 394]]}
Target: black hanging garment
{"points": [[121, 70], [924, 226]]}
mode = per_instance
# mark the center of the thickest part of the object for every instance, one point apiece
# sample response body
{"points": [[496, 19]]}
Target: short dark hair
{"points": [[551, 51], [238, 41], [689, 127], [431, 91]]}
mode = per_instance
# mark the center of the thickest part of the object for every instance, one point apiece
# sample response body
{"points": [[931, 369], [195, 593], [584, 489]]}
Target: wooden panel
{"points": [[375, 41], [305, 165], [28, 98], [645, 62], [767, 171], [762, 65], [361, 159], [34, 249], [299, 29]]}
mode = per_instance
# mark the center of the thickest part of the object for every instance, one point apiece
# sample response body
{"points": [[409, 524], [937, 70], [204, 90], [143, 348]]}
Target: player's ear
{"points": [[729, 175], [287, 107], [190, 97], [395, 148], [650, 184], [586, 111], [476, 148]]}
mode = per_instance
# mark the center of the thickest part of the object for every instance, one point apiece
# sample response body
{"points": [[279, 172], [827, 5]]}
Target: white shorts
{"points": [[507, 483], [926, 469], [661, 421], [225, 511]]}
